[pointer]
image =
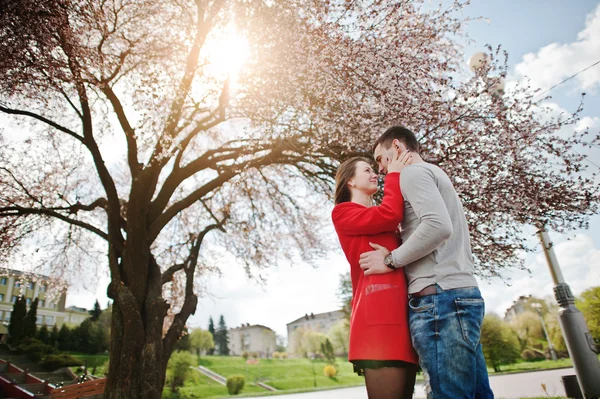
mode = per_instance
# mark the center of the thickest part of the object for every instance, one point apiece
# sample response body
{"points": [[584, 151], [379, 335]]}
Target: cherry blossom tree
{"points": [[152, 129]]}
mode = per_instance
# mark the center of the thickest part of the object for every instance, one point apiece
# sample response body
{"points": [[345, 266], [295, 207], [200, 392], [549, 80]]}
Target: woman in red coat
{"points": [[380, 345]]}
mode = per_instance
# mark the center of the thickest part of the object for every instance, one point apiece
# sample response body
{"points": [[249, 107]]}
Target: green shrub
{"points": [[245, 355], [235, 384], [35, 349], [178, 368], [53, 362], [276, 355]]}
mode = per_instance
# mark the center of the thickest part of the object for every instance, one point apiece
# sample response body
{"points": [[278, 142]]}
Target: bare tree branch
{"points": [[42, 119], [22, 211]]}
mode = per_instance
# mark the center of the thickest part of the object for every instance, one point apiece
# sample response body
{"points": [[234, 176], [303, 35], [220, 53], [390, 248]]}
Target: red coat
{"points": [[379, 323]]}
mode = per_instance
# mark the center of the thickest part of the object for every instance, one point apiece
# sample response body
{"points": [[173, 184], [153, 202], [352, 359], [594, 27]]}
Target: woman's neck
{"points": [[361, 198]]}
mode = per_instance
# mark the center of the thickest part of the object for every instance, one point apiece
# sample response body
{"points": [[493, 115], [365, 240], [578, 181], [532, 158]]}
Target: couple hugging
{"points": [[415, 303]]}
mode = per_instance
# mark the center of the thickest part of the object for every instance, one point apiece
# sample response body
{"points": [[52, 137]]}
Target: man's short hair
{"points": [[401, 134]]}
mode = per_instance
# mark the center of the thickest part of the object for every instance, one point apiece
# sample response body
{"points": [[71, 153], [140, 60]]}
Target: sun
{"points": [[227, 53]]}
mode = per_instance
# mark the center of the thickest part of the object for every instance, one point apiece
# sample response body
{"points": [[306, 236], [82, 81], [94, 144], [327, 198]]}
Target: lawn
{"points": [[288, 375], [96, 364]]}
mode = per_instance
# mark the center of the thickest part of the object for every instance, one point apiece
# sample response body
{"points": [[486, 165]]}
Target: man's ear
{"points": [[396, 144]]}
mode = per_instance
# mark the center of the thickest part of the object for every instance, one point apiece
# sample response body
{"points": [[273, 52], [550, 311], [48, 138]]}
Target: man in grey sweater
{"points": [[445, 308]]}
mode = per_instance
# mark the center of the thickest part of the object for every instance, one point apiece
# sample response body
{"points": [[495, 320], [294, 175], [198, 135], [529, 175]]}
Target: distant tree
{"points": [[63, 339], [212, 331], [339, 335], [202, 341], [95, 312], [222, 339], [345, 295], [98, 338], [29, 326], [16, 326], [184, 343], [312, 340], [280, 343], [528, 328], [43, 334], [589, 304], [82, 337], [499, 342], [327, 351], [178, 368], [53, 339]]}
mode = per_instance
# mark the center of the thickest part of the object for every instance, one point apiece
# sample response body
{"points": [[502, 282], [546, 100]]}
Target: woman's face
{"points": [[364, 179]]}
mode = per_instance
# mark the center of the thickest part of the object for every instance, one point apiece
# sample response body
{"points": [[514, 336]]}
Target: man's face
{"points": [[383, 155]]}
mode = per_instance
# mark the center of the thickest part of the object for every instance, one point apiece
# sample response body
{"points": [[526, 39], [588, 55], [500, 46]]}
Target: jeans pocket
{"points": [[385, 305], [424, 304], [470, 314]]}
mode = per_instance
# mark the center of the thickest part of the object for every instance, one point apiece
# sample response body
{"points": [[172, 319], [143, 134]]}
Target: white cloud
{"points": [[557, 61]]}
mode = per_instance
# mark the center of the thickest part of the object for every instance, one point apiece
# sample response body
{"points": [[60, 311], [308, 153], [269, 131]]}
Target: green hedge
{"points": [[53, 362]]}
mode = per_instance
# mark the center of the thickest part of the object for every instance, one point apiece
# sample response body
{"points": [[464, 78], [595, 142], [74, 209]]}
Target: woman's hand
{"points": [[399, 161]]}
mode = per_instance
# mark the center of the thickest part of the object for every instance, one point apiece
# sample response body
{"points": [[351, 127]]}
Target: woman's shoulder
{"points": [[346, 205]]}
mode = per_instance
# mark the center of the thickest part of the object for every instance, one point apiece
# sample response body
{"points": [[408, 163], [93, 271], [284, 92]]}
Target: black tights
{"points": [[391, 382]]}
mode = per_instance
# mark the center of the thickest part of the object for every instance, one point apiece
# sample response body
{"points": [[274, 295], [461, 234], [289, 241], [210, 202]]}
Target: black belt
{"points": [[429, 290]]}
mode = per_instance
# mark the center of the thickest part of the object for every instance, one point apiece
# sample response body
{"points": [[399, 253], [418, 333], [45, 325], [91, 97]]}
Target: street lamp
{"points": [[538, 309], [578, 338]]}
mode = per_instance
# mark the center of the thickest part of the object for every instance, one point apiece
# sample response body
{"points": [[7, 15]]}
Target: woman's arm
{"points": [[354, 219]]}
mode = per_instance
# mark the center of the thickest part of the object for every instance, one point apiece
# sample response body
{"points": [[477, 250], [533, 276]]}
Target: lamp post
{"points": [[538, 309], [580, 343]]}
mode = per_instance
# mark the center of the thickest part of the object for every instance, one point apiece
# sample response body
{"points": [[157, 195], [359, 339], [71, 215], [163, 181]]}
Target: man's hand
{"points": [[372, 262]]}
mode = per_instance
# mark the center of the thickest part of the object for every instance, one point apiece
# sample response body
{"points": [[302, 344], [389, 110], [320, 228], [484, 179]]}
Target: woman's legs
{"points": [[391, 382]]}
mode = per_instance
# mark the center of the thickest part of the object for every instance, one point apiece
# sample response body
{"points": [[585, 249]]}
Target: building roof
{"points": [[4, 272], [247, 325], [313, 316], [77, 309]]}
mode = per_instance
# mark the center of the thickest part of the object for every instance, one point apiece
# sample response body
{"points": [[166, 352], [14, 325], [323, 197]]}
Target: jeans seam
{"points": [[464, 328]]}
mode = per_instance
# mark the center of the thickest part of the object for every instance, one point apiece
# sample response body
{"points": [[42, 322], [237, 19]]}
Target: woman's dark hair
{"points": [[401, 134], [345, 172]]}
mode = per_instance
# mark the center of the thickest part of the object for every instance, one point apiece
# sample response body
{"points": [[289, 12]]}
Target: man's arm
{"points": [[435, 226]]}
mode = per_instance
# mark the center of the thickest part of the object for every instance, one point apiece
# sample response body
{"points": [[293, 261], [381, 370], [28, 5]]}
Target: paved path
{"points": [[504, 386]]}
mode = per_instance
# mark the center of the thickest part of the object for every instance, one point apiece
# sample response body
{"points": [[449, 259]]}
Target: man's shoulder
{"points": [[418, 171]]}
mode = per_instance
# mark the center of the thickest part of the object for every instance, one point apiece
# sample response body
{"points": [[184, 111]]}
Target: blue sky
{"points": [[547, 41]]}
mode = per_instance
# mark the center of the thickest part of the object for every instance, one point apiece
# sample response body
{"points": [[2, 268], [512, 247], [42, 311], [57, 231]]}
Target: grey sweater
{"points": [[436, 245]]}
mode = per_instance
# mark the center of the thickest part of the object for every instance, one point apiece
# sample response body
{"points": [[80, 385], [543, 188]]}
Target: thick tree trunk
{"points": [[138, 361]]}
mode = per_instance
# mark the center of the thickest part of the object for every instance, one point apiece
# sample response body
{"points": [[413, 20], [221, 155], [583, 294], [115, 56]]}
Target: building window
{"points": [[28, 301], [39, 320], [30, 285], [7, 315], [17, 284], [50, 320], [41, 303], [3, 281], [14, 299], [43, 288], [1, 297]]}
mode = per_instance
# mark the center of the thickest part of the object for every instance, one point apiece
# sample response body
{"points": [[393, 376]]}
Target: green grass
{"points": [[537, 365], [289, 375], [100, 361]]}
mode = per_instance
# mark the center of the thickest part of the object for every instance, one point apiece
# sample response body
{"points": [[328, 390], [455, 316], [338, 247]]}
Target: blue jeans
{"points": [[445, 330]]}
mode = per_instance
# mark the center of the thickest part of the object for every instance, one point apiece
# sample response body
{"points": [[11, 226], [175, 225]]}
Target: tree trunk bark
{"points": [[138, 362]]}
